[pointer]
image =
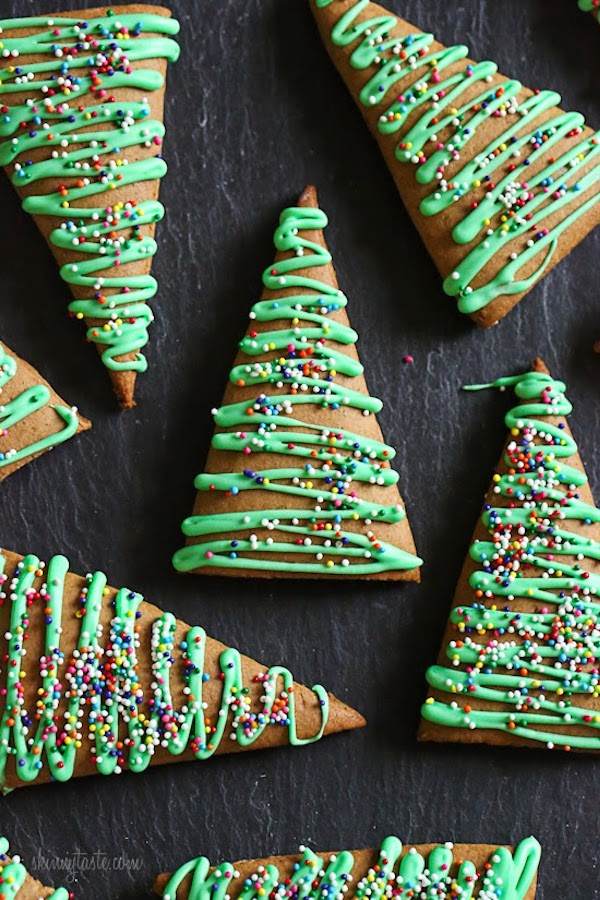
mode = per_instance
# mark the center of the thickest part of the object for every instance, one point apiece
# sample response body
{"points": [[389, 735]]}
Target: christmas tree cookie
{"points": [[298, 479], [500, 182], [99, 680], [81, 129], [443, 871], [519, 660], [33, 418], [17, 884]]}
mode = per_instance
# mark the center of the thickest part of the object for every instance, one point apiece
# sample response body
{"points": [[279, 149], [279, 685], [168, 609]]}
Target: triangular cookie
{"points": [[17, 884], [81, 128], [33, 418], [499, 181], [519, 660], [99, 680], [298, 480], [392, 870]]}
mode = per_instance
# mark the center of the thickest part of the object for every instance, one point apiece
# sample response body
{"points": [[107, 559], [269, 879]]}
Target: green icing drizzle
{"points": [[26, 404], [397, 873], [126, 722], [335, 459], [506, 203], [532, 663], [87, 149], [13, 875]]}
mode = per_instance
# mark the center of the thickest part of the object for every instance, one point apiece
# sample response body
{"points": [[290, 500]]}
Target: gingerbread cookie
{"points": [[81, 130], [99, 680], [298, 481], [33, 418], [443, 871], [17, 884], [518, 664], [500, 182]]}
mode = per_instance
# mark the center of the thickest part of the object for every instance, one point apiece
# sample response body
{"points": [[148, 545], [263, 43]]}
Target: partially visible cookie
{"points": [[33, 418], [99, 680], [17, 884], [500, 182], [81, 130], [298, 482], [442, 870], [518, 664]]}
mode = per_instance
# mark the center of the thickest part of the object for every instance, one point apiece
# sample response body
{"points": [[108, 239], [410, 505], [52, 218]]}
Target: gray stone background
{"points": [[254, 112]]}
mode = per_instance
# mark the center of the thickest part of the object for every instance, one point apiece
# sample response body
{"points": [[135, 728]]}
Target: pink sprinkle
{"points": [[408, 359]]}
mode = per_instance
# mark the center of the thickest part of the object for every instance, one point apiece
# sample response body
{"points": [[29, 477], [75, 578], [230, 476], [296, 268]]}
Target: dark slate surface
{"points": [[254, 112]]}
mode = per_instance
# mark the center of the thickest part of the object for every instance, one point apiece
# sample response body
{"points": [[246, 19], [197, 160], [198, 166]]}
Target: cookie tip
{"points": [[84, 423], [540, 366], [124, 387], [343, 717], [309, 197]]}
